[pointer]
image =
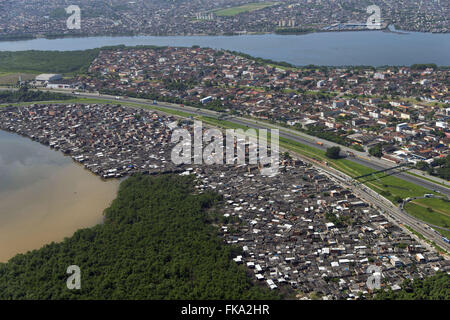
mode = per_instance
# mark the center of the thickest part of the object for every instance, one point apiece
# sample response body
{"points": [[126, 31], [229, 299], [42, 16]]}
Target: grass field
{"points": [[229, 12], [11, 78], [436, 216]]}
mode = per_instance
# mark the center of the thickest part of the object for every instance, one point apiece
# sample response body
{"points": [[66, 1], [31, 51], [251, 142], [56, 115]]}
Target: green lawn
{"points": [[395, 186], [434, 217], [11, 78], [229, 12]]}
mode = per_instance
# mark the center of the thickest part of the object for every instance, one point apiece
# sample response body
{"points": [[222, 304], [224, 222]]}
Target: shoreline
{"points": [[224, 34]]}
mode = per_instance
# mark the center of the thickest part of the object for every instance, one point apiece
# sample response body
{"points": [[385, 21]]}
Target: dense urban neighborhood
{"points": [[300, 230], [22, 19], [399, 114]]}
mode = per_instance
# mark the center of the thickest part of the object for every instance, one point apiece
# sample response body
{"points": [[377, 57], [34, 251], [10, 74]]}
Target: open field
{"points": [[33, 61], [439, 215], [11, 78], [228, 12]]}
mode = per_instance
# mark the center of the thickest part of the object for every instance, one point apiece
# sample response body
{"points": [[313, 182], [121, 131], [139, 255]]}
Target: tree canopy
{"points": [[376, 151], [333, 152], [436, 287]]}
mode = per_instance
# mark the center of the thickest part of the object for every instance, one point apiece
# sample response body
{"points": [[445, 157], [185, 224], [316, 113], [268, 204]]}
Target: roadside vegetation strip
{"points": [[428, 179], [229, 12], [393, 185]]}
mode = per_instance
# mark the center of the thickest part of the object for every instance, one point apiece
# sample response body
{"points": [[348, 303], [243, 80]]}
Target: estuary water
{"points": [[45, 196], [375, 48]]}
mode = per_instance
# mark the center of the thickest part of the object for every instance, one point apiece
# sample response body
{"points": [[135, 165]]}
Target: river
{"points": [[376, 48], [45, 196]]}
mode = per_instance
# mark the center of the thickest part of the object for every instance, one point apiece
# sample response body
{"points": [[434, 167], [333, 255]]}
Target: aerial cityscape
{"points": [[24, 19], [153, 171]]}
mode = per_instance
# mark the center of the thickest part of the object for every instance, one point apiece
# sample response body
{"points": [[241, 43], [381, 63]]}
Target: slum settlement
{"points": [[298, 229]]}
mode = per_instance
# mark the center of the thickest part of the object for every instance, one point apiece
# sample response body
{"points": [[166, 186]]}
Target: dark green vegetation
{"points": [[47, 61], [439, 167], [294, 30], [10, 37], [156, 243], [53, 61], [376, 151], [423, 66], [215, 105], [23, 94], [339, 137], [333, 152], [263, 61], [436, 287]]}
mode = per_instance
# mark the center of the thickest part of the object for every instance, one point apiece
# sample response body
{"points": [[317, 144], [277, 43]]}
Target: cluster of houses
{"points": [[354, 104], [302, 230], [43, 18], [298, 230], [110, 141]]}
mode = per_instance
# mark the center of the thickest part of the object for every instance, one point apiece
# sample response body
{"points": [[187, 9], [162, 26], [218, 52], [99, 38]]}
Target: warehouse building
{"points": [[47, 77]]}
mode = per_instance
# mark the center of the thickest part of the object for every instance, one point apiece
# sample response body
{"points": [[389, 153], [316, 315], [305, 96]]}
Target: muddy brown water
{"points": [[45, 196]]}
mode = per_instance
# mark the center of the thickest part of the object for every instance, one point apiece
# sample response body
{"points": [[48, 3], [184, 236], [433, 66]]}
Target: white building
{"points": [[441, 124], [47, 77], [401, 126]]}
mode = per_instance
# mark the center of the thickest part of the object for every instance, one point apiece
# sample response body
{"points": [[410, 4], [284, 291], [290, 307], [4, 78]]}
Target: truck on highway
{"points": [[154, 102], [445, 240], [319, 143], [117, 98]]}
